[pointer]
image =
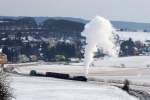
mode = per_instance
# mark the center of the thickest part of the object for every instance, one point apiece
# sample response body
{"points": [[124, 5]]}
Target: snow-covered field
{"points": [[37, 88], [135, 69], [136, 36], [131, 61]]}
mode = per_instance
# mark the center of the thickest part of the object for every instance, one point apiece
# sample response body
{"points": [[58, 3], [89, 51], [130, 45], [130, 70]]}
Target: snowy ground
{"points": [[37, 88], [136, 36], [131, 61], [134, 68], [135, 74]]}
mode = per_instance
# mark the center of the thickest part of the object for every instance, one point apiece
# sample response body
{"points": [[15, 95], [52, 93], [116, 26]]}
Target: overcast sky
{"points": [[127, 10]]}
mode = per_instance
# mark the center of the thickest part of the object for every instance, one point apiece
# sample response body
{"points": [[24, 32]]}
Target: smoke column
{"points": [[98, 33]]}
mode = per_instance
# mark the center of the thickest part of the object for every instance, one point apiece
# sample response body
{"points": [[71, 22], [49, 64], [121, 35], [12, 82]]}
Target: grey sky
{"points": [[128, 10]]}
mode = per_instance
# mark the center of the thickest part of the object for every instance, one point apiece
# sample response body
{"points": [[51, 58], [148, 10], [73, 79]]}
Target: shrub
{"points": [[5, 93]]}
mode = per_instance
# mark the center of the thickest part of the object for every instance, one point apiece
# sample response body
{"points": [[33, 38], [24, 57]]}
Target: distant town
{"points": [[25, 39]]}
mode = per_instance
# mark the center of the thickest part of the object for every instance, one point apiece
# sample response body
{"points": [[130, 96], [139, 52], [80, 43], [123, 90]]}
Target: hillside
{"points": [[131, 25], [117, 24]]}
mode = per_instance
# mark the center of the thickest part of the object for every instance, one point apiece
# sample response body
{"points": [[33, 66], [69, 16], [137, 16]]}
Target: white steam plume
{"points": [[98, 32]]}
